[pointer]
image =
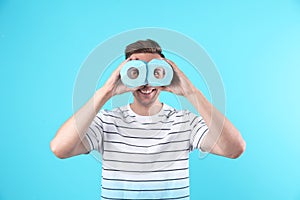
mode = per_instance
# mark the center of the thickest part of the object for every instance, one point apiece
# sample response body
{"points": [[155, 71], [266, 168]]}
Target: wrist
{"points": [[104, 93], [101, 96], [194, 95], [191, 92]]}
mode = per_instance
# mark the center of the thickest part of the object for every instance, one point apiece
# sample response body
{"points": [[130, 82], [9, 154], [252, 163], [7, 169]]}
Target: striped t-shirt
{"points": [[145, 157]]}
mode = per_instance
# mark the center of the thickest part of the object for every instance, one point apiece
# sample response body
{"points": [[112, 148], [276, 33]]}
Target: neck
{"points": [[146, 110]]}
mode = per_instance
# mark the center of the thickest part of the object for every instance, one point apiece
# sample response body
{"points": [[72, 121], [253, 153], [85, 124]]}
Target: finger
{"points": [[170, 62], [121, 65], [165, 88], [116, 74], [120, 88], [175, 67], [130, 89], [134, 88], [161, 88], [126, 88]]}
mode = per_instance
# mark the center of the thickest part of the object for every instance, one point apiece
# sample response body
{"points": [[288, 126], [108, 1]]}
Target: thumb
{"points": [[165, 88]]}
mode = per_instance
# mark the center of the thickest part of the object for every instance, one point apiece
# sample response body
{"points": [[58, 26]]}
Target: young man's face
{"points": [[145, 95]]}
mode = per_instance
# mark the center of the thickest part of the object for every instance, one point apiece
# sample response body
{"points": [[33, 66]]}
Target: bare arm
{"points": [[223, 138], [70, 139]]}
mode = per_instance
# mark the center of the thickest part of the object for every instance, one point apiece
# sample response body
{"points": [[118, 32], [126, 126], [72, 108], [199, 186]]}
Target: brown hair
{"points": [[143, 46]]}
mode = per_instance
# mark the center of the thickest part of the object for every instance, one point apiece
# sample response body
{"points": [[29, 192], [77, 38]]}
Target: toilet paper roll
{"points": [[160, 73], [134, 73]]}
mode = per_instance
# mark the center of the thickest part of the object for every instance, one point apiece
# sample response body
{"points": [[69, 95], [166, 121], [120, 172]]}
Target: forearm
{"points": [[73, 130], [223, 138]]}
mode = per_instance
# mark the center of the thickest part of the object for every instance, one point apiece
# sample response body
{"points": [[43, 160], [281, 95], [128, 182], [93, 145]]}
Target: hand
{"points": [[114, 85], [180, 84]]}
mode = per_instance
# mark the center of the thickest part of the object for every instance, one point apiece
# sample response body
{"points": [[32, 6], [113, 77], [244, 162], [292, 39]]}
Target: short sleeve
{"points": [[94, 134], [199, 129]]}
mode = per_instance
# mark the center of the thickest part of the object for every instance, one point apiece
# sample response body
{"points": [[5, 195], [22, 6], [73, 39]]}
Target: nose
{"points": [[145, 86]]}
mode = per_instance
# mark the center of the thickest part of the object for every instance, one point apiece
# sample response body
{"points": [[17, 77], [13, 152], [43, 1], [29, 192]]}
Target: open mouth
{"points": [[146, 91]]}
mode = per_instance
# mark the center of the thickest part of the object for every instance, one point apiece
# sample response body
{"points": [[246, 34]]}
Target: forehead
{"points": [[144, 56]]}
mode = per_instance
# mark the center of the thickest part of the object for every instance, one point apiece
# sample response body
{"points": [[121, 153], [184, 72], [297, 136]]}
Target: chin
{"points": [[146, 95]]}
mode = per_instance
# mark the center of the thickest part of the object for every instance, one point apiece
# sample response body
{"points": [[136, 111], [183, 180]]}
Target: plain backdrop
{"points": [[254, 44]]}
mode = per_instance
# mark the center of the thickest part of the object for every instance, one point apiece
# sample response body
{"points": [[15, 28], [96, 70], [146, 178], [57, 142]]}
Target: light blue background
{"points": [[254, 44]]}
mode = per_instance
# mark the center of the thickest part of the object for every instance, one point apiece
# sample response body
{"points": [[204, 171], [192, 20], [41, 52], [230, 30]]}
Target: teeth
{"points": [[146, 91]]}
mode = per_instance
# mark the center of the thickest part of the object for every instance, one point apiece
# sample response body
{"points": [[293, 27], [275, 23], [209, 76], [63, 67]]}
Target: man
{"points": [[145, 145]]}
